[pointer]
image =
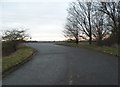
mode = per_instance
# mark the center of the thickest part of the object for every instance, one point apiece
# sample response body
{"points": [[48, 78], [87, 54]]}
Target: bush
{"points": [[109, 42], [8, 47]]}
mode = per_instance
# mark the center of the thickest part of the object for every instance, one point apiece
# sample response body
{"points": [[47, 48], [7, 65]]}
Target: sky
{"points": [[43, 19]]}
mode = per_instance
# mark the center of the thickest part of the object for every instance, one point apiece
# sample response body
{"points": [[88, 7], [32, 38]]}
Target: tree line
{"points": [[99, 21]]}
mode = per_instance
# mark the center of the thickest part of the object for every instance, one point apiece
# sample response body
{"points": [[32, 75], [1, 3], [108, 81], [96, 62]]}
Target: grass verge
{"points": [[22, 54], [105, 49]]}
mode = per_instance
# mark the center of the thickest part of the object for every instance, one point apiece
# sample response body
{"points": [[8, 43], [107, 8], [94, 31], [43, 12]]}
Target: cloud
{"points": [[45, 16], [36, 0]]}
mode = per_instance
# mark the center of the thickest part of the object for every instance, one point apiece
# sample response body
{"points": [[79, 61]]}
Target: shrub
{"points": [[7, 48]]}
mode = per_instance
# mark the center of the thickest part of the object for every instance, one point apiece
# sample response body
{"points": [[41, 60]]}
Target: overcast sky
{"points": [[45, 19]]}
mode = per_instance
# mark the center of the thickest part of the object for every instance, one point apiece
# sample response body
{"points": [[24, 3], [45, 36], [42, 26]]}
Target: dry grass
{"points": [[17, 57]]}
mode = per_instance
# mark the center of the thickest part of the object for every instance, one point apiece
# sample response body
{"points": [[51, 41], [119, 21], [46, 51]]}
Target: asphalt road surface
{"points": [[61, 65]]}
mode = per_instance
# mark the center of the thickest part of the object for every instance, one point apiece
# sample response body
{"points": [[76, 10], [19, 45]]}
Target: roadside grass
{"points": [[105, 49], [22, 53], [110, 50]]}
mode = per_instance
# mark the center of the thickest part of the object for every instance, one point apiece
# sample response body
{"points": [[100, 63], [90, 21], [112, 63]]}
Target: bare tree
{"points": [[81, 12], [97, 20], [71, 29], [112, 9], [14, 36], [100, 28]]}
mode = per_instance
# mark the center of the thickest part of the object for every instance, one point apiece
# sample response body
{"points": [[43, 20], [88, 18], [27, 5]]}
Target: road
{"points": [[62, 65]]}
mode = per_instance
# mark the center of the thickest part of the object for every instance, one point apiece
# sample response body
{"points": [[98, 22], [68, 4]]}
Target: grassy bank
{"points": [[16, 58], [110, 50]]}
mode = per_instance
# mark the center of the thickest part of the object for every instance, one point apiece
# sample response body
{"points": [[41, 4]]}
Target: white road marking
{"points": [[70, 81]]}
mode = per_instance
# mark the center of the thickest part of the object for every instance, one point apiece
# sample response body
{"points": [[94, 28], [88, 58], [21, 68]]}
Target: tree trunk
{"points": [[77, 40], [90, 40], [89, 19]]}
